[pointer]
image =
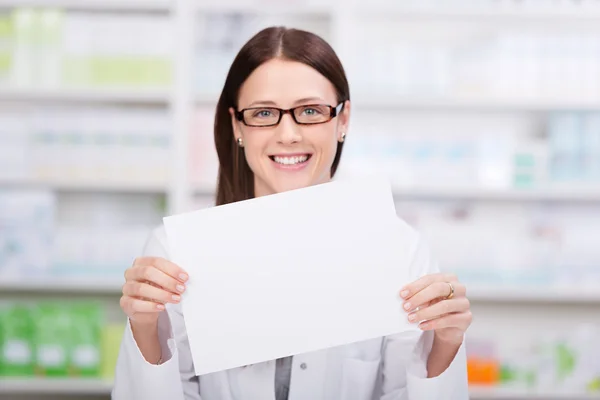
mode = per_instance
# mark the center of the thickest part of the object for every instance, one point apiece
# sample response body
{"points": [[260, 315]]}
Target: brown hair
{"points": [[236, 180]]}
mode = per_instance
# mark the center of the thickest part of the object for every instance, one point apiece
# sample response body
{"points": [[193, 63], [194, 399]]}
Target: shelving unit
{"points": [[66, 287], [80, 185], [476, 293], [570, 193], [108, 96], [272, 7], [475, 10], [472, 104], [536, 295], [95, 5], [41, 387], [483, 393], [493, 305]]}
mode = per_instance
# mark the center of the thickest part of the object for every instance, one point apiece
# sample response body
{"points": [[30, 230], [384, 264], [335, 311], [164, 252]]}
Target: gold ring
{"points": [[451, 295]]}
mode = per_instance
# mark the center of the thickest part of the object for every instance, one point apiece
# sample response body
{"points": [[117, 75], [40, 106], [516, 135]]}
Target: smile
{"points": [[291, 160]]}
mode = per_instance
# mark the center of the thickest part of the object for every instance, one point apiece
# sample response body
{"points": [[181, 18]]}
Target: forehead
{"points": [[284, 83]]}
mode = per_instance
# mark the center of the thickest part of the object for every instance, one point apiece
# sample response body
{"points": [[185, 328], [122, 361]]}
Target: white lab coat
{"points": [[389, 368]]}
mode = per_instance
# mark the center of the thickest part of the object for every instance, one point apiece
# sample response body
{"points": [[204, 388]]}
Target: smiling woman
{"points": [[280, 125], [282, 116]]}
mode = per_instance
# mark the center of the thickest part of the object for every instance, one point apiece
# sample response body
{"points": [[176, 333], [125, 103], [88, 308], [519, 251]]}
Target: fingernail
{"points": [[407, 306], [404, 293], [160, 306], [176, 297], [180, 288], [424, 325], [183, 277], [411, 317]]}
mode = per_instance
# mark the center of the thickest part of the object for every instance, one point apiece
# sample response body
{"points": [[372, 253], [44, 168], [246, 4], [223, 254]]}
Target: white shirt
{"points": [[387, 368]]}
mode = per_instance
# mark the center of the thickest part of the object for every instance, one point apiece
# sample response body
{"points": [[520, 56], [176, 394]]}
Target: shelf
{"points": [[541, 295], [63, 286], [559, 194], [126, 96], [387, 101], [86, 185], [55, 386], [481, 393], [563, 193], [550, 13], [476, 293], [94, 5], [266, 7]]}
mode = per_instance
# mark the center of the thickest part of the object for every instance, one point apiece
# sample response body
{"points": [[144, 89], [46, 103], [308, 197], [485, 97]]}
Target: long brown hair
{"points": [[236, 180]]}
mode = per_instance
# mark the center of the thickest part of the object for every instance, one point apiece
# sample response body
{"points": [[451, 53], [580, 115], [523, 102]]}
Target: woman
{"points": [[281, 122]]}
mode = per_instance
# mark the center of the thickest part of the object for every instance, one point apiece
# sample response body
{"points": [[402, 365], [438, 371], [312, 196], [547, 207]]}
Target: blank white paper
{"points": [[291, 273]]}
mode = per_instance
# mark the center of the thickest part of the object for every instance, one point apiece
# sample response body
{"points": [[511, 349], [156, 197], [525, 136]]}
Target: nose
{"points": [[288, 131]]}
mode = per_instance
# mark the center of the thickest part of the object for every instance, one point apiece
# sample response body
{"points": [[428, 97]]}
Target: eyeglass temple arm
{"points": [[338, 109]]}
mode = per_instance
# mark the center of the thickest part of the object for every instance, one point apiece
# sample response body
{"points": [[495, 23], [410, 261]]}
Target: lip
{"points": [[291, 167]]}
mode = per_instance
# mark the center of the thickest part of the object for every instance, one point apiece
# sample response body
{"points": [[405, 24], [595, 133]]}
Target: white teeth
{"points": [[290, 160]]}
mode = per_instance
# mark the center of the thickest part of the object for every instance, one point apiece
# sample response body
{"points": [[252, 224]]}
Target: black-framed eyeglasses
{"points": [[310, 114]]}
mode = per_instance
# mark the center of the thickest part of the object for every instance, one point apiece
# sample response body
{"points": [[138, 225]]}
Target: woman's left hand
{"points": [[438, 302]]}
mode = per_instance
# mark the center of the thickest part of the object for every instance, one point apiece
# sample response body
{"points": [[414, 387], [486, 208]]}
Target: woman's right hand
{"points": [[150, 283]]}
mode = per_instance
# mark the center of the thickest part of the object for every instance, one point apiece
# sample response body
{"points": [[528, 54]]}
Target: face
{"points": [[289, 156]]}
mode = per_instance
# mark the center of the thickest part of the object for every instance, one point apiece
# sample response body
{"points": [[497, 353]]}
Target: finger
{"points": [[415, 287], [440, 309], [437, 290], [155, 276], [132, 305], [149, 292], [457, 320], [163, 265]]}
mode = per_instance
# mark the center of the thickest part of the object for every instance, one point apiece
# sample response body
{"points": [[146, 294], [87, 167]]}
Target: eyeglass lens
{"points": [[310, 114]]}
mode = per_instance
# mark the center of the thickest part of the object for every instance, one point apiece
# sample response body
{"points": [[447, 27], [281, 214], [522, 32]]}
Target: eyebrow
{"points": [[272, 103]]}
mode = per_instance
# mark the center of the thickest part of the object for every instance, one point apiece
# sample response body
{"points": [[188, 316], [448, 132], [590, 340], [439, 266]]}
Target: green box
{"points": [[16, 341], [86, 342], [52, 338]]}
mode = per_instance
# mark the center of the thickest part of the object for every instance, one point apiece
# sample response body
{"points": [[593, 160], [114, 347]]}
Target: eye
{"points": [[311, 111], [263, 113]]}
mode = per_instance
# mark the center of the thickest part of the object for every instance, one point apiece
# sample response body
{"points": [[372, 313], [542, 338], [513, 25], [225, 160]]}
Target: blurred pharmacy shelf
{"points": [[72, 386], [271, 7], [471, 67], [476, 293], [540, 295], [60, 386], [370, 101], [502, 10], [62, 286], [562, 193], [500, 393], [86, 185], [130, 96], [94, 5]]}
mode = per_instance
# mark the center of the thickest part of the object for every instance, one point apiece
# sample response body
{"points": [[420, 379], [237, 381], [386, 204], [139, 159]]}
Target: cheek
{"points": [[326, 142], [254, 147]]}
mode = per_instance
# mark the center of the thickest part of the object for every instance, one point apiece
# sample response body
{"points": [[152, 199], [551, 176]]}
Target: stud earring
{"points": [[240, 142], [343, 137]]}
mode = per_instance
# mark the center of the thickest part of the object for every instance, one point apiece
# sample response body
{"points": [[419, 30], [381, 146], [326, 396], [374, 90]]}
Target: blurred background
{"points": [[484, 114]]}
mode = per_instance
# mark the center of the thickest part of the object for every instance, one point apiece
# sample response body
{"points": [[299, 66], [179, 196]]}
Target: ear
{"points": [[344, 120], [235, 124]]}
